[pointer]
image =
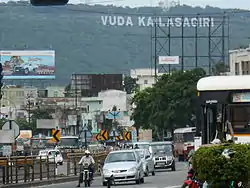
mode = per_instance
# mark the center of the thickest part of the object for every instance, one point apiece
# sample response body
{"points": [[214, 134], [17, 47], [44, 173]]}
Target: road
{"points": [[162, 179]]}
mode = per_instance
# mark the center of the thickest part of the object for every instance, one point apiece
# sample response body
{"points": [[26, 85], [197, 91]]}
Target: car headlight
{"points": [[132, 169], [106, 171], [169, 157]]}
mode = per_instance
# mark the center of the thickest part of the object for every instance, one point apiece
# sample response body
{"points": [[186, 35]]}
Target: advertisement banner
{"points": [[168, 60], [28, 64]]}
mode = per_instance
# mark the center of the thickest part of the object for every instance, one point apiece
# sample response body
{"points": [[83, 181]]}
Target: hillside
{"points": [[82, 42]]}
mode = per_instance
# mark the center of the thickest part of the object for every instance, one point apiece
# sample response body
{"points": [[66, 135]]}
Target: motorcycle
{"points": [[191, 182], [87, 174], [110, 181]]}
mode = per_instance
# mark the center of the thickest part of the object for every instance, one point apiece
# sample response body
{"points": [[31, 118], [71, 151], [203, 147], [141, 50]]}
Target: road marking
{"points": [[175, 186]]}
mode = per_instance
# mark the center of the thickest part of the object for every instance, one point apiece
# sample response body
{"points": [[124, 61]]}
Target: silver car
{"points": [[147, 160], [124, 165]]}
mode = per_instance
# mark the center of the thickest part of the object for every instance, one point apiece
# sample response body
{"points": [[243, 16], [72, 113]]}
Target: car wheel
{"points": [[60, 163], [153, 173], [26, 71], [104, 183], [173, 168], [142, 180], [138, 181], [146, 173]]}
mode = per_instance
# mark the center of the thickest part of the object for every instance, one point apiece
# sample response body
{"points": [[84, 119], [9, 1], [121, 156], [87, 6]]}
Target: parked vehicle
{"points": [[147, 160], [183, 142], [53, 155], [163, 154], [124, 165]]}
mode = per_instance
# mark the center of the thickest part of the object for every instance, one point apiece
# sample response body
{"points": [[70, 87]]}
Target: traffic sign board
{"points": [[104, 134], [118, 138], [127, 136], [56, 135], [11, 125]]}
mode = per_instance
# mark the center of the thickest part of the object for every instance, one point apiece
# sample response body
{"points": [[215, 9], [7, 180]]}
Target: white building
{"points": [[145, 77], [239, 61]]}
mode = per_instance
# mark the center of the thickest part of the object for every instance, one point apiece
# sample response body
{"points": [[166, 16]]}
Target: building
{"points": [[18, 96], [55, 91], [239, 61], [16, 99], [88, 85], [145, 77]]}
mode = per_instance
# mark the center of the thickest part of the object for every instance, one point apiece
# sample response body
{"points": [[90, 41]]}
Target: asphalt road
{"points": [[162, 179]]}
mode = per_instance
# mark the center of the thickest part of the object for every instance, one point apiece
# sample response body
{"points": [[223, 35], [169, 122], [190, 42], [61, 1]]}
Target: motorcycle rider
{"points": [[87, 158]]}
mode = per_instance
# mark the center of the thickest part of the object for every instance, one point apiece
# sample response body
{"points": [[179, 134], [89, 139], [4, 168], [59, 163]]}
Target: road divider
{"points": [[18, 170]]}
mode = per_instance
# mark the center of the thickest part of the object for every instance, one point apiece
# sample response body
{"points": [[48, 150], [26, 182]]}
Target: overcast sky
{"points": [[243, 4]]}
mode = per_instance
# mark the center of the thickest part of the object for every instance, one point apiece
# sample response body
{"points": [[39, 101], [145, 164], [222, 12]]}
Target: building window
{"points": [[55, 93], [145, 81], [245, 67], [237, 69]]}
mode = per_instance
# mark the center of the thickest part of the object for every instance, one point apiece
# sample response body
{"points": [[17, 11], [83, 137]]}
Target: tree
{"points": [[67, 91], [130, 84], [24, 124], [168, 103], [39, 113], [220, 68]]}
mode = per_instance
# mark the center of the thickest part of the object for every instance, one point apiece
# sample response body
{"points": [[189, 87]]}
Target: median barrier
{"points": [[34, 170]]}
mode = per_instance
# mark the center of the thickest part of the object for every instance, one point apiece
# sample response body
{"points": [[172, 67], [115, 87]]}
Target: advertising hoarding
{"points": [[28, 64], [169, 60]]}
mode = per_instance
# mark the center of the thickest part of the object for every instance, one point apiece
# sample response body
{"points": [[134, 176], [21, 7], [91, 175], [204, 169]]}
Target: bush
{"points": [[212, 167]]}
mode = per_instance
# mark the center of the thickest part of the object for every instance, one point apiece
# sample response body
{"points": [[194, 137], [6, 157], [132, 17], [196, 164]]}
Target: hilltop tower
{"points": [[167, 4]]}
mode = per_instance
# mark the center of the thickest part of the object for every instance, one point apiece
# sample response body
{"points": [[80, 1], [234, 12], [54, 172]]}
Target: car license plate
{"points": [[161, 163]]}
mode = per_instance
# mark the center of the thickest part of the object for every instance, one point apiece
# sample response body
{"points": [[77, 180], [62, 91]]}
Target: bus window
{"points": [[178, 137], [188, 137]]}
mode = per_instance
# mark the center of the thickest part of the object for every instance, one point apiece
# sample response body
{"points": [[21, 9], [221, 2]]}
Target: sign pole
{"points": [[85, 139]]}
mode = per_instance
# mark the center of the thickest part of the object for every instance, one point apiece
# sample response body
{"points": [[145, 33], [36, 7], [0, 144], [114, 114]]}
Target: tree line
{"points": [[169, 104]]}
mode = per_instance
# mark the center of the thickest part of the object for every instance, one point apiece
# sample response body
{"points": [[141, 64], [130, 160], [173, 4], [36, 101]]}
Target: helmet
{"points": [[87, 152]]}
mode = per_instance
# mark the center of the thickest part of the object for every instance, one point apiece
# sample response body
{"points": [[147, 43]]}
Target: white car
{"points": [[147, 160], [53, 155], [124, 165]]}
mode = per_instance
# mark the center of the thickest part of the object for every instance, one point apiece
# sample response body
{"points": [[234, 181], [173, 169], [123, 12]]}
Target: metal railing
{"points": [[73, 158], [20, 169]]}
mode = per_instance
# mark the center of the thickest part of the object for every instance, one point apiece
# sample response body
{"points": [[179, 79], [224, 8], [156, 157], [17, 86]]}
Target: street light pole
{"points": [[29, 107]]}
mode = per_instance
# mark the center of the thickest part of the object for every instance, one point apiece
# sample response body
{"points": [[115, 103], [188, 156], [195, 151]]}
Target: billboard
{"points": [[168, 60], [28, 64]]}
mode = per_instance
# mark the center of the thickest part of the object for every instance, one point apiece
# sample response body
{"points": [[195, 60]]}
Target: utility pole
{"points": [[29, 108], [114, 113]]}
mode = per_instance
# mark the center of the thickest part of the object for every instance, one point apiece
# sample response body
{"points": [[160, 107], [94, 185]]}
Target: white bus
{"points": [[183, 141], [66, 142], [224, 100]]}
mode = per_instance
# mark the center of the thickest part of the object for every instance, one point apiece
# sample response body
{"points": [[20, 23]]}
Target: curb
{"points": [[43, 182]]}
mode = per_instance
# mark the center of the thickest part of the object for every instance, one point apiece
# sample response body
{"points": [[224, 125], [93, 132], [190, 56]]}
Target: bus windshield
{"points": [[73, 142], [161, 148], [184, 137]]}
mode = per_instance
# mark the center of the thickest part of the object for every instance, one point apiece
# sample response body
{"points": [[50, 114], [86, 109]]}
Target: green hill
{"points": [[83, 44]]}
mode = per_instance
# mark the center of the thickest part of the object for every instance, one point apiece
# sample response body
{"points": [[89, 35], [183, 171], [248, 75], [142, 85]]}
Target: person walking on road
{"points": [[87, 158]]}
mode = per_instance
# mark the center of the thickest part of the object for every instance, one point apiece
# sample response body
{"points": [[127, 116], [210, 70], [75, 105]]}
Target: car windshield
{"points": [[120, 157], [143, 146], [141, 153], [162, 148], [44, 152]]}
